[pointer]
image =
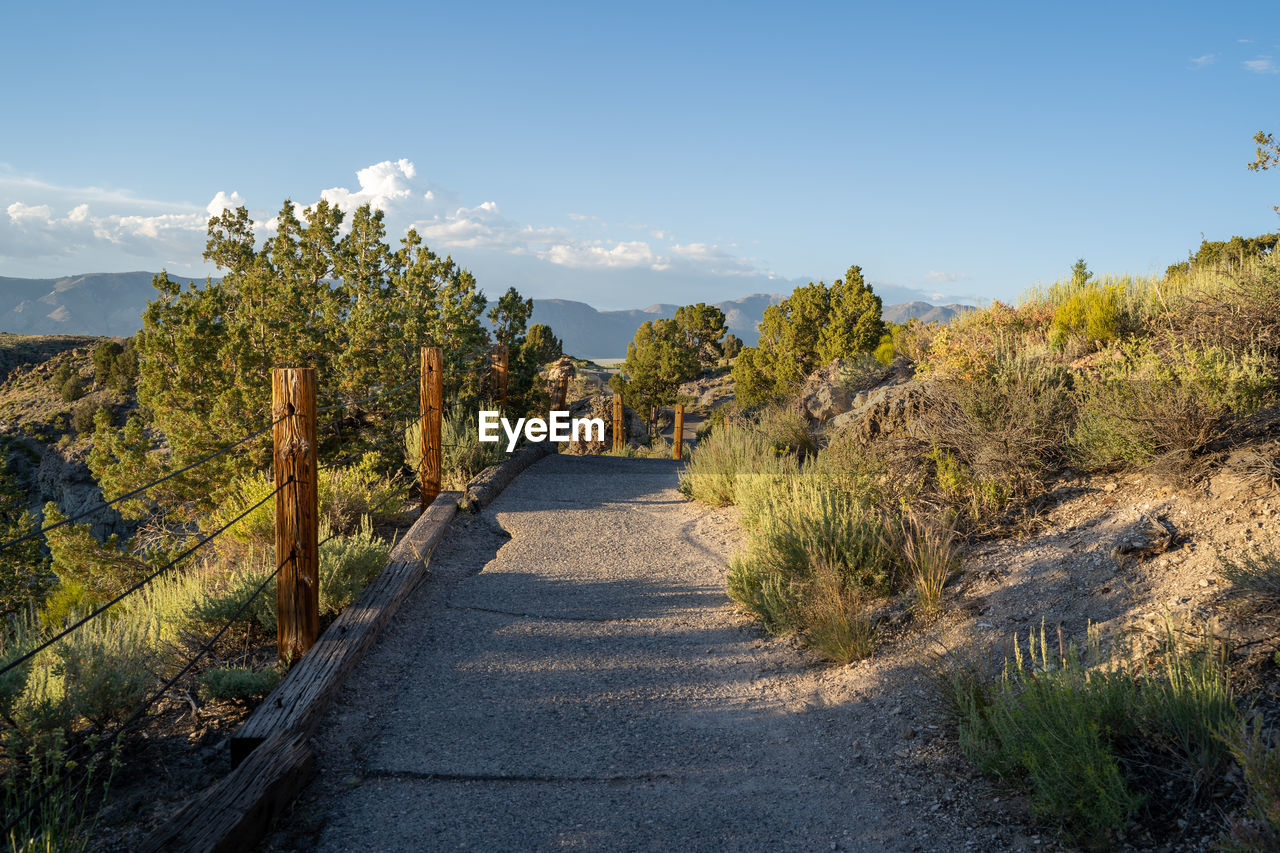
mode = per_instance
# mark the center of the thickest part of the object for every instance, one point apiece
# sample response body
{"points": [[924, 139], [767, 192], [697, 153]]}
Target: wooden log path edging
{"points": [[300, 696], [270, 754], [486, 485], [235, 813]]}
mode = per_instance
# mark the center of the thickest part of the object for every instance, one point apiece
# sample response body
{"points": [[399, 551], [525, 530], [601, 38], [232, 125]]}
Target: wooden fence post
{"points": [[293, 409], [562, 391], [430, 406], [677, 437], [498, 371], [619, 425]]}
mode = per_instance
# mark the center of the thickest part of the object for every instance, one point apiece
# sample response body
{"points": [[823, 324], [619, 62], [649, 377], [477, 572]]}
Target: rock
{"points": [[601, 406], [883, 411], [68, 483], [826, 401], [1148, 536]]}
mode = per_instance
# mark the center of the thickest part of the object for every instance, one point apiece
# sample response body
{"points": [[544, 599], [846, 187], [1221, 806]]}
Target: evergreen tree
{"points": [[813, 326], [25, 578], [309, 297], [704, 327], [659, 359], [853, 322]]}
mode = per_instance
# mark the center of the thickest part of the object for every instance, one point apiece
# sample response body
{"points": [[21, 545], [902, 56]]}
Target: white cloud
{"points": [[1202, 61], [223, 202], [934, 275], [625, 255], [21, 214], [382, 186], [94, 228], [1262, 65]]}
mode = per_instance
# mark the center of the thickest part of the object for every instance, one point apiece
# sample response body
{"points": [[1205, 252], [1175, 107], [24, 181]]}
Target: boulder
{"points": [[601, 406], [883, 411]]}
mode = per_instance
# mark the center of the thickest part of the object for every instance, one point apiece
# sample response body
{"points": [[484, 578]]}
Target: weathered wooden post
{"points": [[430, 406], [498, 371], [677, 437], [619, 425], [293, 411], [562, 391]]}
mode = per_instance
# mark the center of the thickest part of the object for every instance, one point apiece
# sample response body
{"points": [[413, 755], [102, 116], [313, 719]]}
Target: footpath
{"points": [[572, 676]]}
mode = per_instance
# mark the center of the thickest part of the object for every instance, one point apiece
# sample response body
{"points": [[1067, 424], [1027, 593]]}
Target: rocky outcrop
{"points": [[66, 481], [708, 392], [601, 406], [886, 410]]}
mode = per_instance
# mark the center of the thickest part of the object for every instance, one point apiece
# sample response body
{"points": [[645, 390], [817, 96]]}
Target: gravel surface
{"points": [[573, 676]]}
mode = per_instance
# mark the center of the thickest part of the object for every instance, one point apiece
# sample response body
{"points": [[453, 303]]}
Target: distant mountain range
{"points": [[112, 303]]}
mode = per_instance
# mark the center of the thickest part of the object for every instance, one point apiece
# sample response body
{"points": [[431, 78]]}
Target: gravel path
{"points": [[572, 676]]}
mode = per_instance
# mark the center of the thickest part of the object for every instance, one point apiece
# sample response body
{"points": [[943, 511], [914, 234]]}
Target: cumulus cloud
{"points": [[223, 202], [624, 255], [1262, 65], [383, 186], [43, 220]]}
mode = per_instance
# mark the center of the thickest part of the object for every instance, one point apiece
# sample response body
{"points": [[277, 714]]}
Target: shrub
{"points": [[836, 621], [992, 436], [73, 389], [1260, 762], [1164, 406], [1093, 313], [104, 359], [1255, 581], [786, 430], [82, 417], [238, 683], [1077, 725], [347, 494], [719, 462], [813, 552], [348, 564], [219, 605], [106, 669], [463, 455]]}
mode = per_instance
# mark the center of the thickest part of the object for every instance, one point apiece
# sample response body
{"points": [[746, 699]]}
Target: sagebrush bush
{"points": [[785, 429], [1255, 580], [349, 493], [1167, 405], [992, 436], [348, 564], [463, 454], [728, 457], [345, 495], [238, 683], [1077, 724], [814, 554]]}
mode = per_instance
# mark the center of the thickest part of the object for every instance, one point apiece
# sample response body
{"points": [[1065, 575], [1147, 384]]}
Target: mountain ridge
{"points": [[111, 304]]}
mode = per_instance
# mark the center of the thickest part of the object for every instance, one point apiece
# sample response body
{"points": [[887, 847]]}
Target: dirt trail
{"points": [[573, 676]]}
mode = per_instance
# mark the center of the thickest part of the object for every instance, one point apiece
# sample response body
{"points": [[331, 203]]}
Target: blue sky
{"points": [[625, 155]]}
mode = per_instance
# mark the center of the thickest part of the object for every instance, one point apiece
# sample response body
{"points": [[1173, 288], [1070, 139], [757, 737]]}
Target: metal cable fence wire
{"points": [[381, 394], [16, 662], [141, 489], [111, 738]]}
